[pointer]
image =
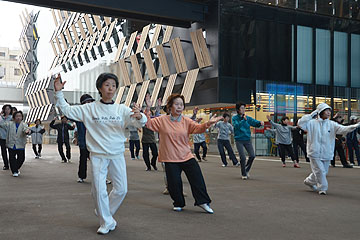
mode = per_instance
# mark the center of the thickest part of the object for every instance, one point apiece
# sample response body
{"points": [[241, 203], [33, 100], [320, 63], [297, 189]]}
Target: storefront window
{"points": [[355, 102], [340, 58], [355, 60], [341, 99], [307, 5], [322, 57], [324, 7], [304, 54]]}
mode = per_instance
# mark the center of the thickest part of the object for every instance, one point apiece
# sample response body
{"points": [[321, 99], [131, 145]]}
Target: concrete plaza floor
{"points": [[46, 202]]}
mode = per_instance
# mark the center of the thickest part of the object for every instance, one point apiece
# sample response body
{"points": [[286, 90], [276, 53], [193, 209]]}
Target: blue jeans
{"points": [[226, 143], [245, 167]]}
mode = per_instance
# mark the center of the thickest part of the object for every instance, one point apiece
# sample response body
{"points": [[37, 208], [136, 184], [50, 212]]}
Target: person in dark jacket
{"points": [[353, 143], [63, 137], [81, 131], [298, 141], [339, 145]]}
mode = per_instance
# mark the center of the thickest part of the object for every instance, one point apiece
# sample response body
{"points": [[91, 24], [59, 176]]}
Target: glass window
{"points": [[341, 96], [342, 8], [322, 57], [304, 54], [2, 54], [17, 72], [340, 58], [287, 3], [355, 60], [13, 57], [355, 9], [307, 5]]}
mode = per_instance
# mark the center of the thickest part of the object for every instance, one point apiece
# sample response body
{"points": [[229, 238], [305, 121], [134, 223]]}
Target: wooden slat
{"points": [[27, 43], [142, 93], [44, 109], [178, 55], [169, 87], [63, 41], [78, 48], [107, 20], [47, 101], [53, 47], [162, 59], [93, 38], [27, 66], [58, 44], [119, 49], [124, 72], [54, 17], [130, 94], [156, 36], [38, 99], [71, 55], [130, 44], [149, 64], [120, 94], [88, 24], [167, 34], [110, 30], [136, 68], [189, 84], [48, 112], [100, 37], [196, 46], [85, 44], [69, 37], [156, 91], [42, 98], [81, 27], [143, 38], [28, 100], [203, 47], [97, 22], [73, 28]]}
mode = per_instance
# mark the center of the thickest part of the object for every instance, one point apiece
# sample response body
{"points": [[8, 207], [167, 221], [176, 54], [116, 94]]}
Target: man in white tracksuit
{"points": [[320, 144], [105, 122]]}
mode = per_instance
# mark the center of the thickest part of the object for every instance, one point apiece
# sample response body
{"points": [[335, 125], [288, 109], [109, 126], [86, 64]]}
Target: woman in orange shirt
{"points": [[175, 152]]}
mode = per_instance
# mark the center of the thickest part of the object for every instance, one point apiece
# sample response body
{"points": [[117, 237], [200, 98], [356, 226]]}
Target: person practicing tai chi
{"points": [[321, 134], [105, 124], [63, 137], [174, 130], [16, 140], [284, 139], [37, 137], [5, 116], [242, 136]]}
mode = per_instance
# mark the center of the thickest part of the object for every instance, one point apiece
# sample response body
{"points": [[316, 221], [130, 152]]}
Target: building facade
{"points": [[10, 67]]}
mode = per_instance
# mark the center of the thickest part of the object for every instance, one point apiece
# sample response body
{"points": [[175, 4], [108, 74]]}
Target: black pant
{"points": [[302, 146], [196, 180], [4, 153], [136, 144], [84, 155], [61, 151], [17, 158], [37, 152], [339, 148], [226, 143], [283, 148], [197, 148], [154, 153]]}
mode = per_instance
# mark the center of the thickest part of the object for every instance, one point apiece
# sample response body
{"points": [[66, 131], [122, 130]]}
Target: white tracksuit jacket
{"points": [[105, 124], [321, 134]]}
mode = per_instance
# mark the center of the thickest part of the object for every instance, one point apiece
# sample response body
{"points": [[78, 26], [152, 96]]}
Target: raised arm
{"points": [[52, 125], [194, 127], [133, 116], [253, 122], [304, 120], [341, 129], [153, 123]]}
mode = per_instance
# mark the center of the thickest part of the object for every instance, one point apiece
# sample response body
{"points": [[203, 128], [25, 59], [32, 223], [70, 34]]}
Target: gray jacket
{"points": [[3, 130], [37, 134], [17, 138], [283, 133]]}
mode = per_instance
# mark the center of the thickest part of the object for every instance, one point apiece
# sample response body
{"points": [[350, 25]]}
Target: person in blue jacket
{"points": [[353, 143], [242, 135]]}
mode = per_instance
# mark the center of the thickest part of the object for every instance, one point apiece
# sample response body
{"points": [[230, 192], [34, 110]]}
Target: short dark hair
{"points": [[38, 120], [14, 114], [239, 104], [5, 106], [226, 115], [103, 77], [284, 118], [171, 98]]}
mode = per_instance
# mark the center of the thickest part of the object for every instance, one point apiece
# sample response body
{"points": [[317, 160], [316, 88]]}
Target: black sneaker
{"points": [[347, 166], [154, 167], [5, 168]]}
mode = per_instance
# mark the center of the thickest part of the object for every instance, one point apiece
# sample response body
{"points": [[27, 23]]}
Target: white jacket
{"points": [[321, 134], [105, 124]]}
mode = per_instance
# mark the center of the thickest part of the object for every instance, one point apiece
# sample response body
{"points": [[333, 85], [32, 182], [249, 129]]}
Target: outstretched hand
{"points": [[214, 120], [58, 85], [148, 101], [268, 117], [136, 110]]}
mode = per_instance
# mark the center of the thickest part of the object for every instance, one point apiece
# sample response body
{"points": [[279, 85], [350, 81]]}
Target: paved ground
{"points": [[46, 202]]}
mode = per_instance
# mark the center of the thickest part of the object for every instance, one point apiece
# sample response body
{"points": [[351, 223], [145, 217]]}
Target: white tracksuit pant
{"points": [[319, 170], [107, 205]]}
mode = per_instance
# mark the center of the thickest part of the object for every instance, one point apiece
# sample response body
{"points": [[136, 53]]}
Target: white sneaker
{"points": [[177, 209], [223, 165], [95, 212], [105, 230], [313, 187], [36, 157], [80, 180], [244, 177], [207, 208], [19, 172], [238, 164], [322, 192], [15, 174]]}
